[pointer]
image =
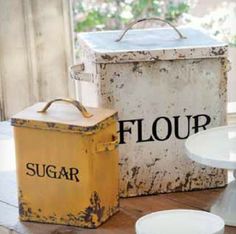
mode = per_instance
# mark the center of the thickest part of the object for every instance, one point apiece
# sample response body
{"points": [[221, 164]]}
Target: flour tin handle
{"points": [[77, 72], [76, 103], [107, 146], [76, 69], [130, 25]]}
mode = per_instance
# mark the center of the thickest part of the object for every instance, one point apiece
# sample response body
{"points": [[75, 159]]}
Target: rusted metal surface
{"points": [[121, 223], [67, 165], [76, 124], [164, 89], [61, 127], [149, 45], [90, 217]]}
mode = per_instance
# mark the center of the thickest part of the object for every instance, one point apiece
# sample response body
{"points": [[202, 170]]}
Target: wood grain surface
{"points": [[121, 223]]}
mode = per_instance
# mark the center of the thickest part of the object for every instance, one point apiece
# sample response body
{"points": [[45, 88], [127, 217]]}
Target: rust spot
{"points": [[177, 179], [187, 183], [163, 70], [196, 61], [153, 163], [109, 98], [154, 59], [102, 66], [152, 183], [135, 171], [50, 125], [129, 185], [168, 186], [120, 87], [19, 122], [116, 74], [95, 209], [91, 217], [218, 51], [137, 68], [108, 57], [181, 56]]}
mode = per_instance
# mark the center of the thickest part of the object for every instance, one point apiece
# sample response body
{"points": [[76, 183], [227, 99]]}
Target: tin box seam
{"points": [[160, 55], [63, 127]]}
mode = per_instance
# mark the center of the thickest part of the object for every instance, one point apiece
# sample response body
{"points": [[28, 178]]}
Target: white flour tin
{"points": [[165, 88]]}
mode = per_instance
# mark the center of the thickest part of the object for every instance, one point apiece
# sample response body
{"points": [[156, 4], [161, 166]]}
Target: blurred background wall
{"points": [[36, 48], [221, 17]]}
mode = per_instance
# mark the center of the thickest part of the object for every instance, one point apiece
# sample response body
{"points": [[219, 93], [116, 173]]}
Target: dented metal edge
{"points": [[65, 127], [197, 52], [160, 55]]}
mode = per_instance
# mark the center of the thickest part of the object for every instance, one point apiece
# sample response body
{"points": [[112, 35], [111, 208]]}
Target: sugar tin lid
{"points": [[62, 116]]}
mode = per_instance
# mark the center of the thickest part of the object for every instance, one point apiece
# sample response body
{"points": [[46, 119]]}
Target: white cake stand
{"points": [[180, 222], [216, 147]]}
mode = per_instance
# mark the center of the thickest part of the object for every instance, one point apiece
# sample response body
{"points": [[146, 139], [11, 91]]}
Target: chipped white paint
{"points": [[151, 74], [150, 45]]}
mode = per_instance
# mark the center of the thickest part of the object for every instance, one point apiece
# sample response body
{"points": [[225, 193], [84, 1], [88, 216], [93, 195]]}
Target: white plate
{"points": [[215, 147], [180, 222]]}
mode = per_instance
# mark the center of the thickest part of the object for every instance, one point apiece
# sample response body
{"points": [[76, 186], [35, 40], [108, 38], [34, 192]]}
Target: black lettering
{"points": [[140, 132], [176, 124], [74, 173], [38, 170], [169, 129], [197, 120], [30, 167], [63, 173], [51, 173], [122, 129]]}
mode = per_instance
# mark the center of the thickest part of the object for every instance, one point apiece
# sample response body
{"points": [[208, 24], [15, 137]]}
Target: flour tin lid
{"points": [[150, 45], [62, 116]]}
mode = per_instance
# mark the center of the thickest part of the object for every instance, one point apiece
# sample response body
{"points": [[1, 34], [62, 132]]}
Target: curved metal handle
{"points": [[76, 69], [108, 146], [130, 25], [77, 104]]}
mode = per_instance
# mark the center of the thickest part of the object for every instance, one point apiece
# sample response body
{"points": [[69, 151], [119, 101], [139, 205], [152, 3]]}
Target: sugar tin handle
{"points": [[130, 25], [108, 146], [76, 103]]}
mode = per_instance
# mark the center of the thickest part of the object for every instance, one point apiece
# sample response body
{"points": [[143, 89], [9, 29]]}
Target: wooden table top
{"points": [[121, 223]]}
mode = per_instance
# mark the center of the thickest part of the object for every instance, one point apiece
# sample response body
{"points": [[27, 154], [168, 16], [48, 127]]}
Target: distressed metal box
{"points": [[165, 88], [67, 164]]}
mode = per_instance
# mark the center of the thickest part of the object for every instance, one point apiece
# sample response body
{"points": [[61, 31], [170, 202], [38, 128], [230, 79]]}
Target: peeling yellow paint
{"points": [[63, 177]]}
